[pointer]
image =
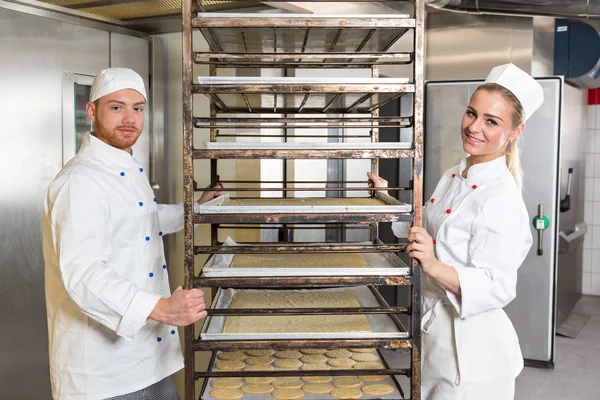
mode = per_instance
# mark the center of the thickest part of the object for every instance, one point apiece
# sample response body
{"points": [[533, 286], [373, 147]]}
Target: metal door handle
{"points": [[540, 250], [541, 223], [565, 204]]}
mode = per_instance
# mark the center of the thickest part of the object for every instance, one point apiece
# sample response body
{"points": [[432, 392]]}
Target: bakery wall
{"points": [[590, 283]]}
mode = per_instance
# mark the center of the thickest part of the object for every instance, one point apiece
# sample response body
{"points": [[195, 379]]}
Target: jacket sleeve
{"points": [[500, 241], [170, 217], [79, 219]]}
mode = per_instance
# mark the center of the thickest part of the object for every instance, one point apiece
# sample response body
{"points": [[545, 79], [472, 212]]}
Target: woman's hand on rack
{"points": [[377, 182], [210, 194], [183, 308], [421, 247]]}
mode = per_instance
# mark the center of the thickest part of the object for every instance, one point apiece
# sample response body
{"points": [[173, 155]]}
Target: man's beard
{"points": [[113, 137]]}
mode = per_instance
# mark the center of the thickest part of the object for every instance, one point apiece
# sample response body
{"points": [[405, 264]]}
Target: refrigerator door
{"points": [[572, 227], [532, 312]]}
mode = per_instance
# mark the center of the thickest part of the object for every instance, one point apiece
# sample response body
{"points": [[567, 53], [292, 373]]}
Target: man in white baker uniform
{"points": [[112, 321]]}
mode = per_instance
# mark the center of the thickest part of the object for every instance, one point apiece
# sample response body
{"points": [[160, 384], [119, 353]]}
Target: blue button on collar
{"points": [[122, 174], [158, 339], [141, 169], [151, 274], [147, 238]]}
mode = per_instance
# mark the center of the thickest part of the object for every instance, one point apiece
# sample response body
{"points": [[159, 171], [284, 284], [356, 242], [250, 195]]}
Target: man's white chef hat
{"points": [[112, 80], [521, 84]]}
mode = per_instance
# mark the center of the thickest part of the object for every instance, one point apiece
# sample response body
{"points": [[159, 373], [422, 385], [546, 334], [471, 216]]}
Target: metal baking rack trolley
{"points": [[245, 107]]}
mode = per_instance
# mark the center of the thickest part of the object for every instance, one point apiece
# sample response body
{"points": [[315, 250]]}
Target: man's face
{"points": [[118, 118]]}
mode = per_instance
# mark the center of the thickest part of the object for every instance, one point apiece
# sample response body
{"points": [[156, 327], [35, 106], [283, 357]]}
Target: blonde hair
{"points": [[513, 151]]}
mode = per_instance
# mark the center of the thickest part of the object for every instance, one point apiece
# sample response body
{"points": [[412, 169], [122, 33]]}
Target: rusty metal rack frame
{"points": [[319, 42]]}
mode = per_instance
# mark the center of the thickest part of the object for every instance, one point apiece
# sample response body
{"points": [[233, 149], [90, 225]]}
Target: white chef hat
{"points": [[112, 80], [521, 84]]}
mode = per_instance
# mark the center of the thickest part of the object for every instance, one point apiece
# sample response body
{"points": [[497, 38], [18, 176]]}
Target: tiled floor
{"points": [[576, 374]]}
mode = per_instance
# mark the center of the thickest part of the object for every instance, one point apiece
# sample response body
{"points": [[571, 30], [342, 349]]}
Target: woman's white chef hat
{"points": [[521, 84], [112, 80]]}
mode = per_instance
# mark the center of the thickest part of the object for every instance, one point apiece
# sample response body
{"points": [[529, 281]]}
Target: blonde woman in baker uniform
{"points": [[475, 236]]}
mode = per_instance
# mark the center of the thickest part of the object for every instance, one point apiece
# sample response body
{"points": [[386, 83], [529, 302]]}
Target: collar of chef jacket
{"points": [[108, 153], [478, 173]]}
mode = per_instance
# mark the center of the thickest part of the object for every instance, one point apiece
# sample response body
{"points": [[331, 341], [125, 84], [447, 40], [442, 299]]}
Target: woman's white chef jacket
{"points": [[481, 228], [105, 272]]}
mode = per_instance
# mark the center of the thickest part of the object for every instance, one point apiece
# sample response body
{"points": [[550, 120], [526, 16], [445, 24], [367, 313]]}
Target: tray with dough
{"points": [[388, 380], [304, 264], [309, 205], [361, 326]]}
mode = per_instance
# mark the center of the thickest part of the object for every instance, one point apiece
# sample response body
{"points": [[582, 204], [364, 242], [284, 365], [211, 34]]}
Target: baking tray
{"points": [[392, 381], [304, 80], [300, 95], [388, 205], [305, 146], [380, 264], [303, 33], [382, 325]]}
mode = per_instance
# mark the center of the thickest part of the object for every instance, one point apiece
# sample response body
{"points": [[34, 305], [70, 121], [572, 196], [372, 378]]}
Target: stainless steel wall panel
{"points": [[33, 53], [157, 118], [463, 46], [543, 47], [39, 56], [83, 50]]}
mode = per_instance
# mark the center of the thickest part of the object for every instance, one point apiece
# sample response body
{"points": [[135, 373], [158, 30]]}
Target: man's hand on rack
{"points": [[377, 183], [210, 194], [183, 308]]}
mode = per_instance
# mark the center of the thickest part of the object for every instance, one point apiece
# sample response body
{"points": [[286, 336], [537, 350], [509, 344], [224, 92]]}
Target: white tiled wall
{"points": [[591, 252]]}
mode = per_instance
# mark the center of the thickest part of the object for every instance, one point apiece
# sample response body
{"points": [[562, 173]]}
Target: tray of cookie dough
{"points": [[381, 203], [304, 264], [305, 387], [341, 326]]}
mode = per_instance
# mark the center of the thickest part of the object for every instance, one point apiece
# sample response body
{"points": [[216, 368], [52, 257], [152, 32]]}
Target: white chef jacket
{"points": [[105, 272], [481, 228]]}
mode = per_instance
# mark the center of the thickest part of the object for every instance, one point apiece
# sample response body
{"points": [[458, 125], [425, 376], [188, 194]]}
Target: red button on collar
{"points": [[453, 175], [448, 211], [432, 200], [474, 186], [433, 241]]}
